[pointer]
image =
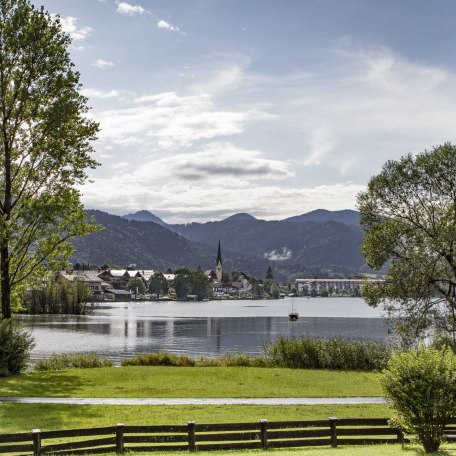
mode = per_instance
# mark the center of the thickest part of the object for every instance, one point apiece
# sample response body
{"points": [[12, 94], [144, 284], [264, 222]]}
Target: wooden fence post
{"points": [[264, 434], [400, 437], [191, 425], [36, 436], [333, 428], [120, 438]]}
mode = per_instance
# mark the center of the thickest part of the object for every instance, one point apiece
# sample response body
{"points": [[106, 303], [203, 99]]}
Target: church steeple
{"points": [[218, 265]]}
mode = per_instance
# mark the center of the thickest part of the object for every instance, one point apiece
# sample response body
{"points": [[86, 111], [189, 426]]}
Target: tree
{"points": [[200, 285], [421, 385], [409, 214], [158, 284], [45, 147], [275, 291], [269, 274], [182, 283], [136, 285]]}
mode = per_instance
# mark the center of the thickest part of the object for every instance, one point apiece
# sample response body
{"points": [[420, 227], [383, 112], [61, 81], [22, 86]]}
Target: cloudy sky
{"points": [[272, 107]]}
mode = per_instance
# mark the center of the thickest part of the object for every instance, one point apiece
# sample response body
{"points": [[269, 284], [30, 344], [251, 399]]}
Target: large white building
{"points": [[317, 287]]}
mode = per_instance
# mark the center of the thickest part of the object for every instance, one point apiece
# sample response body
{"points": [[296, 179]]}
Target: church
{"points": [[216, 275]]}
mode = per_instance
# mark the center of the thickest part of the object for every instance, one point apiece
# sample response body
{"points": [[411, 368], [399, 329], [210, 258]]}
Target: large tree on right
{"points": [[408, 213]]}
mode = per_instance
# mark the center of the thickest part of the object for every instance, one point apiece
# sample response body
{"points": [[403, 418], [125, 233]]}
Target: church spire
{"points": [[218, 264]]}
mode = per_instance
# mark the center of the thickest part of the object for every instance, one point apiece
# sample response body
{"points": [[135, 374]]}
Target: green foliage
{"points": [[136, 285], [271, 288], [166, 359], [59, 297], [188, 282], [304, 353], [45, 148], [72, 361], [159, 359], [409, 215], [421, 385], [158, 285], [269, 274], [337, 353], [15, 347]]}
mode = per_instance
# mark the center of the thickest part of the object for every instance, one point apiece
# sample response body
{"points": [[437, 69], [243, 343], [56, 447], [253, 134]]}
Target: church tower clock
{"points": [[218, 265]]}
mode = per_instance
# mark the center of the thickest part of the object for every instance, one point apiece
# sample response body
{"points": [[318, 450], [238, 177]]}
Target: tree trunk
{"points": [[5, 288]]}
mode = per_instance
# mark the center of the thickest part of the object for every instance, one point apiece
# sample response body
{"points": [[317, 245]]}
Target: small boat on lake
{"points": [[293, 315]]}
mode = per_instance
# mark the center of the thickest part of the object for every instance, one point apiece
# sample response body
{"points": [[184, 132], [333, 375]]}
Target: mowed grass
{"points": [[25, 417], [191, 382], [380, 450]]}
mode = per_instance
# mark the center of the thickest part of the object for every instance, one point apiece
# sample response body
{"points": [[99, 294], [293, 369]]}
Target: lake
{"points": [[211, 329]]}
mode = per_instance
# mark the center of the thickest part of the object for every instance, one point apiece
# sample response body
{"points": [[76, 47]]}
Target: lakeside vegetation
{"points": [[301, 353]]}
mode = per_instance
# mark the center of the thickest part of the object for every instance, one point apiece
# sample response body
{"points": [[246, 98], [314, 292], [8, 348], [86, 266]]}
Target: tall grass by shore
{"points": [[302, 353], [337, 353]]}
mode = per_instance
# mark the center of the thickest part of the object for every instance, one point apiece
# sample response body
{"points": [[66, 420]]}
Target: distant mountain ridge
{"points": [[144, 216], [346, 216], [316, 243]]}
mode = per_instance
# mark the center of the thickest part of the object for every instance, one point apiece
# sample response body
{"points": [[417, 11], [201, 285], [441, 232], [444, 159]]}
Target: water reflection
{"points": [[206, 329]]}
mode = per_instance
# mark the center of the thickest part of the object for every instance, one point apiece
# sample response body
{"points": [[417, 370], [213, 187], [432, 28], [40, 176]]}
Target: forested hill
{"points": [[152, 246], [292, 245], [293, 248]]}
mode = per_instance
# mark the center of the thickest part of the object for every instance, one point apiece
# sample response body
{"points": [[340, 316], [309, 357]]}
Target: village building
{"points": [[318, 287], [97, 285]]}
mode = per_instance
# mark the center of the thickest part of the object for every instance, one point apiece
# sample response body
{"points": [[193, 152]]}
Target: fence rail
{"points": [[193, 437]]}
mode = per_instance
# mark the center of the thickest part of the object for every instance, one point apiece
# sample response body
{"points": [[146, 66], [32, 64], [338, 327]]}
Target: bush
{"points": [[421, 385], [15, 346], [73, 361], [159, 359], [337, 353]]}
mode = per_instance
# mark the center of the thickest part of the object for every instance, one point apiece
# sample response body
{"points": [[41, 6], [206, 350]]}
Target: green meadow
{"points": [[191, 382]]}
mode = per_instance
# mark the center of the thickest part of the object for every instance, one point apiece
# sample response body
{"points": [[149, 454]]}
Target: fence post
{"points": [[333, 428], [264, 434], [191, 425], [36, 436], [120, 438], [400, 437]]}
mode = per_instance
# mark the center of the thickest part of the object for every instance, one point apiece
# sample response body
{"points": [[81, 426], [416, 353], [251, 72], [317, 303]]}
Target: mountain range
{"points": [[318, 243]]}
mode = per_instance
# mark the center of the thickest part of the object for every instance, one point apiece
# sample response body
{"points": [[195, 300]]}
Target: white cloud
{"points": [[102, 64], [130, 10], [321, 144], [93, 93], [169, 120], [184, 201], [161, 24], [69, 25], [220, 161], [282, 254]]}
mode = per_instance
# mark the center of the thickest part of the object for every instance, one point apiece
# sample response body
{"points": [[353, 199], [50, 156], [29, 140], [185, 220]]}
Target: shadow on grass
{"points": [[49, 417], [46, 384]]}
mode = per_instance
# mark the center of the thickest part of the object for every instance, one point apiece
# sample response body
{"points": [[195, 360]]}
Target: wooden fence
{"points": [[263, 434]]}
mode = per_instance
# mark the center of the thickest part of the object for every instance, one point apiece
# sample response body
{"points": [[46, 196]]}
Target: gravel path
{"points": [[195, 401]]}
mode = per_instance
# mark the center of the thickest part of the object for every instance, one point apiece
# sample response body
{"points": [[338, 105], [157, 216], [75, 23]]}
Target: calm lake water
{"points": [[213, 328]]}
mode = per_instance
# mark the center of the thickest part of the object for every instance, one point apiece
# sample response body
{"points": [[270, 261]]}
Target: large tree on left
{"points": [[45, 147]]}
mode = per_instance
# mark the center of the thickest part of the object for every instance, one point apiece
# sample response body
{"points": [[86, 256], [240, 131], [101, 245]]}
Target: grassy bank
{"points": [[190, 382], [380, 450], [53, 416]]}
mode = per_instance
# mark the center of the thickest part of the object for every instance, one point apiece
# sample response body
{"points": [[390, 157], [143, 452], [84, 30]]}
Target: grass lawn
{"points": [[25, 417], [380, 450], [173, 382]]}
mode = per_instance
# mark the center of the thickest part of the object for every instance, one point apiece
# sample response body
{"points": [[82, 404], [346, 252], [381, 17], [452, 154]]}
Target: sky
{"points": [[209, 108]]}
